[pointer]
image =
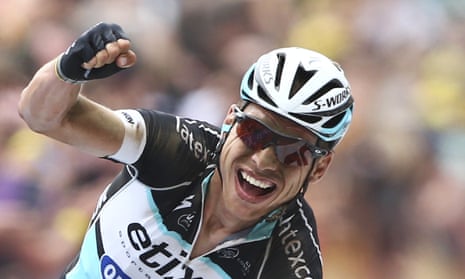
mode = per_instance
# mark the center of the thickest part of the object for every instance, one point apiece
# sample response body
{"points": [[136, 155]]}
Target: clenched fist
{"points": [[101, 51]]}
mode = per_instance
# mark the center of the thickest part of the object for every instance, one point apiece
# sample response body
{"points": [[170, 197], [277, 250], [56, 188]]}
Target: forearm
{"points": [[55, 108], [46, 100]]}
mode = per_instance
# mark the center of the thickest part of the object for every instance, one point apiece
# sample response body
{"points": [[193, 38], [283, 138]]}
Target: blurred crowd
{"points": [[392, 204]]}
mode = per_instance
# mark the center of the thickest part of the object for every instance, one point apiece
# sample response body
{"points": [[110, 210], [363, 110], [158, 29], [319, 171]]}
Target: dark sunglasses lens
{"points": [[295, 154], [254, 135], [289, 151]]}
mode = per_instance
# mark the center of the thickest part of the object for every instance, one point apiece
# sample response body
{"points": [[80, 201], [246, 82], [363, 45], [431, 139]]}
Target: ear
{"points": [[228, 120], [321, 166], [227, 125]]}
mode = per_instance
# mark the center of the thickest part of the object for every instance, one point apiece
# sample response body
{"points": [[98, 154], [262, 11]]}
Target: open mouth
{"points": [[253, 189]]}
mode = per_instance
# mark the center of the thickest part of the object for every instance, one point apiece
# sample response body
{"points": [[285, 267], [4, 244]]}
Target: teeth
{"points": [[255, 182]]}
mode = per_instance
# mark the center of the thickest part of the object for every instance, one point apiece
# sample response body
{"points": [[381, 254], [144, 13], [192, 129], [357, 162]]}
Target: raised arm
{"points": [[51, 103]]}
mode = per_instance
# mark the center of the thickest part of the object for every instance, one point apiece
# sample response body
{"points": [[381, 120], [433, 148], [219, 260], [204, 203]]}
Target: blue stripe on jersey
{"points": [[263, 229], [88, 263]]}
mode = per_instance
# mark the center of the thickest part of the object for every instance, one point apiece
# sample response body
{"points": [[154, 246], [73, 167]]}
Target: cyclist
{"points": [[194, 200]]}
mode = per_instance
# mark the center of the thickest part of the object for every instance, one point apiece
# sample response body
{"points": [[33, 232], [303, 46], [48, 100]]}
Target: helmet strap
{"points": [[215, 158], [307, 178]]}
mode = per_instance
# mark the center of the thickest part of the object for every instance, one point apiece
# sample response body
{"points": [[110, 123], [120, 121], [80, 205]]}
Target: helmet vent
{"points": [[306, 117], [262, 94], [334, 121], [279, 70], [332, 84], [250, 79], [301, 78]]}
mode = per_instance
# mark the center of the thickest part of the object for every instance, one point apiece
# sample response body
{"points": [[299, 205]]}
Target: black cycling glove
{"points": [[69, 66]]}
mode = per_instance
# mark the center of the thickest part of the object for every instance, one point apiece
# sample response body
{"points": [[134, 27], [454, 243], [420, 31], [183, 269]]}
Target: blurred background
{"points": [[392, 204]]}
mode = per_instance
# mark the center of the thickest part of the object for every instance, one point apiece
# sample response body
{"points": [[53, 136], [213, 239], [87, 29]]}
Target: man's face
{"points": [[255, 182]]}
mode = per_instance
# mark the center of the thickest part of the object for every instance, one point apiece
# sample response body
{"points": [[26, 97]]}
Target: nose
{"points": [[266, 158]]}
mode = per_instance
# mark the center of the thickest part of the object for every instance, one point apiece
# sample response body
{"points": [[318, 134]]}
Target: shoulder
{"points": [[177, 148], [295, 244], [180, 135]]}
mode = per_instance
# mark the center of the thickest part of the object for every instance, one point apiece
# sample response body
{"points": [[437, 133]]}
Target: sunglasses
{"points": [[290, 151]]}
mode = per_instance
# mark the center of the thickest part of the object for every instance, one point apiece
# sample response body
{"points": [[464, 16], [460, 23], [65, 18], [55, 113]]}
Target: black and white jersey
{"points": [[149, 217]]}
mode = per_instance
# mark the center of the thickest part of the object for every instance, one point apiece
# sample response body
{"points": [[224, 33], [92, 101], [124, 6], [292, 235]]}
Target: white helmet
{"points": [[303, 86]]}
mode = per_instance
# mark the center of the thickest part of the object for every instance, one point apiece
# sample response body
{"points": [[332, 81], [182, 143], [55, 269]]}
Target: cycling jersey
{"points": [[149, 217]]}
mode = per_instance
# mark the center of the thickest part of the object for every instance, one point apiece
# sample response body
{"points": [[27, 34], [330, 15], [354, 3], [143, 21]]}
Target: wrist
{"points": [[59, 72]]}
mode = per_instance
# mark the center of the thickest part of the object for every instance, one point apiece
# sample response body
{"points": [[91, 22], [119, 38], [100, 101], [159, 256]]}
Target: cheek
{"points": [[294, 181], [232, 151]]}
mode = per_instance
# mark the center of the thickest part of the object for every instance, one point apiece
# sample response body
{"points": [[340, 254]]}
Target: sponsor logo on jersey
{"points": [[293, 248], [128, 117], [185, 220], [185, 203], [228, 253], [233, 254], [200, 151], [111, 270], [158, 256]]}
